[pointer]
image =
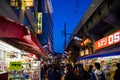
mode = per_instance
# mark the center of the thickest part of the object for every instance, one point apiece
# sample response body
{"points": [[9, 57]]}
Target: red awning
{"points": [[31, 40], [12, 30]]}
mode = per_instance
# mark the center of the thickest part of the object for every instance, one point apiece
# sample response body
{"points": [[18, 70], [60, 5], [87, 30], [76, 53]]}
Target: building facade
{"points": [[100, 20], [26, 13], [46, 38]]}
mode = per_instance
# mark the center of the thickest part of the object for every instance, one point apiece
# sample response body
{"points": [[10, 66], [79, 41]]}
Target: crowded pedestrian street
{"points": [[59, 39]]}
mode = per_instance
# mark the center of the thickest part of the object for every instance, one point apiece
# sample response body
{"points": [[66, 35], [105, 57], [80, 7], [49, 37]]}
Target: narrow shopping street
{"points": [[59, 39]]}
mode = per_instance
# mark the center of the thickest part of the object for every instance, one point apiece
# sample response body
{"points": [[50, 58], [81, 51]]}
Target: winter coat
{"points": [[117, 74], [97, 75]]}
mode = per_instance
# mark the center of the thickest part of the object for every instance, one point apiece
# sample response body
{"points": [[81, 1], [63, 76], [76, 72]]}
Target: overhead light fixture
{"points": [[77, 38]]}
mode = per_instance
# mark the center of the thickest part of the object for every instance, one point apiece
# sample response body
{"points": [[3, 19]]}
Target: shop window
{"points": [[81, 53]]}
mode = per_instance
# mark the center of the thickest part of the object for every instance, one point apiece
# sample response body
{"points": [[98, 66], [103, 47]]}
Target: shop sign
{"points": [[25, 3], [85, 42], [82, 53], [86, 51], [108, 40], [39, 23], [15, 66]]}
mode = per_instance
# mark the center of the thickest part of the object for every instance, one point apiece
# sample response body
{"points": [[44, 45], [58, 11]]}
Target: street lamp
{"points": [[77, 38]]}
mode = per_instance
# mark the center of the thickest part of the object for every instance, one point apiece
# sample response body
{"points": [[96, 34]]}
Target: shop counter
{"points": [[4, 75]]}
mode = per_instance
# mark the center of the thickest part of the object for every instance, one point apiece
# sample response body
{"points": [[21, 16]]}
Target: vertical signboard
{"points": [[39, 23]]}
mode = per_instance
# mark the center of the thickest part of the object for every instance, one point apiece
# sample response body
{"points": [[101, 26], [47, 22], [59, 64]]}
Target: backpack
{"points": [[101, 76]]}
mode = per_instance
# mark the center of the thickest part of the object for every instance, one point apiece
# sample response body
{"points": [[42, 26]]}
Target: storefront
{"points": [[18, 62], [5, 51], [16, 34], [85, 47], [107, 53]]}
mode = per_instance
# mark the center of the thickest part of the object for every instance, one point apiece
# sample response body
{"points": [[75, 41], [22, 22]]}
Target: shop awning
{"points": [[19, 36], [11, 29], [111, 52]]}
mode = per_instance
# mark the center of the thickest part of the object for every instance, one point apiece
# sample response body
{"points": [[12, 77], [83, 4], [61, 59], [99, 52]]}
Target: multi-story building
{"points": [[26, 13], [95, 30], [46, 38]]}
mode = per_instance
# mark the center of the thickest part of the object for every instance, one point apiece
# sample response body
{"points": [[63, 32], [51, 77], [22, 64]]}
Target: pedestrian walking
{"points": [[90, 71], [83, 74], [97, 73], [117, 72]]}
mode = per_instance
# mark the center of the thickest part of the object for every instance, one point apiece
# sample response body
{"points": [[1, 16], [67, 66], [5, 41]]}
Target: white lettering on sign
{"points": [[102, 42], [114, 38], [117, 37], [108, 40]]}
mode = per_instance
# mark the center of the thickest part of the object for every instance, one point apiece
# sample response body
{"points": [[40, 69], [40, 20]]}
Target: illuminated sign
{"points": [[27, 3], [14, 3], [108, 40], [15, 66], [87, 51], [39, 23], [81, 53], [85, 42]]}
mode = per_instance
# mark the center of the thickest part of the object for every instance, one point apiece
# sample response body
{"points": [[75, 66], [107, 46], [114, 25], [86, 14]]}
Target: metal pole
{"points": [[65, 34]]}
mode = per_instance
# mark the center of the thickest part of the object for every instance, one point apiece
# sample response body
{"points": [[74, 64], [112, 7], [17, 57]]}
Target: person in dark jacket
{"points": [[97, 74], [117, 72], [70, 74], [54, 73], [83, 74], [90, 71]]}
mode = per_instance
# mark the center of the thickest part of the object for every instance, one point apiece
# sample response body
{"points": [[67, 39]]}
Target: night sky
{"points": [[69, 12]]}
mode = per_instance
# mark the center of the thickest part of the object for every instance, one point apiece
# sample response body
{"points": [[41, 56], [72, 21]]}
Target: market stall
{"points": [[108, 64], [18, 64], [106, 52]]}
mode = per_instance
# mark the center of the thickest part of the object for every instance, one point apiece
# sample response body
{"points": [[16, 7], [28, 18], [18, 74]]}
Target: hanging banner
{"points": [[39, 23], [15, 66], [108, 40]]}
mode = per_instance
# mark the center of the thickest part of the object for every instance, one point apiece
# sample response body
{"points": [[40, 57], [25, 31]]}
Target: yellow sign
{"points": [[15, 66], [25, 3], [39, 23]]}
